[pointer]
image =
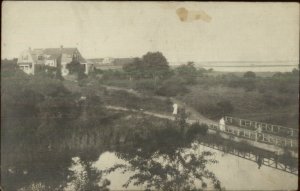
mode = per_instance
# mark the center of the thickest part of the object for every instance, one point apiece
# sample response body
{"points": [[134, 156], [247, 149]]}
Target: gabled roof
{"points": [[55, 53]]}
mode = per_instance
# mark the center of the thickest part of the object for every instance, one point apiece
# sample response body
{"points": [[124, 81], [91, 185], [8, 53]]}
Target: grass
{"points": [[131, 101], [250, 105]]}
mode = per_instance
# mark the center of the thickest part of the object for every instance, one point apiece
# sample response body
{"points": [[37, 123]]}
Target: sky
{"points": [[182, 31]]}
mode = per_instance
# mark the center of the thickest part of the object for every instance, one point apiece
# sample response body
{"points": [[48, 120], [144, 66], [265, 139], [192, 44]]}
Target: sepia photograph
{"points": [[149, 96]]}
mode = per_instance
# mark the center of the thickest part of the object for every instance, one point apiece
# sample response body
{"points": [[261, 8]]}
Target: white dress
{"points": [[222, 124], [175, 107]]}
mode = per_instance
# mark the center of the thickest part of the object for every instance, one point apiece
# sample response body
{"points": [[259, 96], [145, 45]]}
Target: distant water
{"points": [[274, 68], [243, 66]]}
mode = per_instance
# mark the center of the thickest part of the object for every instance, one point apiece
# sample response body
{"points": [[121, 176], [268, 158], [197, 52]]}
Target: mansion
{"points": [[53, 57]]}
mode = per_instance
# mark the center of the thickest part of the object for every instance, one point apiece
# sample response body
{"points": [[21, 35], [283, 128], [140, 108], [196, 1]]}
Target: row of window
{"points": [[263, 137], [264, 126], [41, 57], [25, 67]]}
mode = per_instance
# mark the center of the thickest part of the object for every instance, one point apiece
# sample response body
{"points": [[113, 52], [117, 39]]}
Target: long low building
{"points": [[53, 57], [109, 63]]}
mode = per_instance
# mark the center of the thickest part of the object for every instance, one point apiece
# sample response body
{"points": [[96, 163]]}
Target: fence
{"points": [[265, 127], [270, 162], [252, 134]]}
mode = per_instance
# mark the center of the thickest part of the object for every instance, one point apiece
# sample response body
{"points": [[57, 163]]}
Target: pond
{"points": [[140, 154], [233, 172]]}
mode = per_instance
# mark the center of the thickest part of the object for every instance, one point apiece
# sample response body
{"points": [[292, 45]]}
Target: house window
{"points": [[40, 57], [75, 56]]}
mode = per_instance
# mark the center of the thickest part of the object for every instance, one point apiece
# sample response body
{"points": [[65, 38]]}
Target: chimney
{"points": [[61, 47], [29, 48]]}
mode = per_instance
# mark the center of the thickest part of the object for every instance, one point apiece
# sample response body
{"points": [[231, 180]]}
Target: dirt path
{"points": [[193, 114], [164, 116]]}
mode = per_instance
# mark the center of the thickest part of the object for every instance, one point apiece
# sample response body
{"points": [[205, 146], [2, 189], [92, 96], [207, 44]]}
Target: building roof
{"points": [[113, 61], [55, 53]]}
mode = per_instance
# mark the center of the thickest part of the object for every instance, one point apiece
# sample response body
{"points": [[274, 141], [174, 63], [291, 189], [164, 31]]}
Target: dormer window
{"points": [[40, 57]]}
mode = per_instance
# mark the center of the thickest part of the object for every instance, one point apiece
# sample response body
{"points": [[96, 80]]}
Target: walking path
{"points": [[193, 116]]}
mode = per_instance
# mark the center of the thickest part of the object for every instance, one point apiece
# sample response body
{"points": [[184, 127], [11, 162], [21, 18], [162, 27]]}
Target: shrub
{"points": [[172, 87], [188, 72], [146, 84], [196, 129], [250, 75]]}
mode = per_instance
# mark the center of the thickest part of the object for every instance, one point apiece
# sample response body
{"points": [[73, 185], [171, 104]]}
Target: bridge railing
{"points": [[269, 161], [265, 127], [251, 134]]}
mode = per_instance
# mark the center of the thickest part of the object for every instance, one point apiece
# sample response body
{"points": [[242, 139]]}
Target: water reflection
{"points": [[86, 177], [161, 158], [39, 171], [165, 160]]}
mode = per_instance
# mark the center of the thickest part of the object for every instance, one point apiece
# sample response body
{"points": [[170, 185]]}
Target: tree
{"points": [[155, 65], [250, 75], [180, 170], [75, 67], [188, 72], [48, 71], [152, 65], [249, 81], [134, 69], [172, 87], [87, 177], [196, 129], [181, 119], [225, 107]]}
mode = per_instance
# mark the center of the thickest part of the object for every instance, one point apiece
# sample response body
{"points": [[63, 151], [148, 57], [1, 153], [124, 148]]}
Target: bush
{"points": [[48, 71], [225, 107], [250, 75], [196, 129], [146, 84], [188, 72], [172, 87], [75, 67], [215, 110]]}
